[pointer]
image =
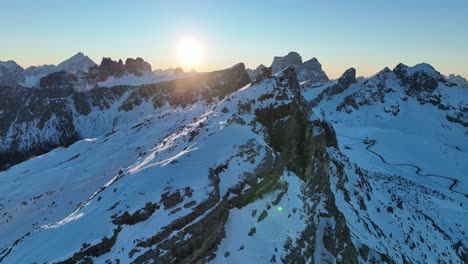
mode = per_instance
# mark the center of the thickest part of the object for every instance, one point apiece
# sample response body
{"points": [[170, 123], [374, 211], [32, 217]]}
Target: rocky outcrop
{"points": [[457, 80], [303, 151], [291, 59], [110, 68], [347, 79], [137, 66], [59, 79], [253, 73], [283, 139], [27, 112], [10, 73], [373, 90], [311, 70], [422, 82], [421, 78]]}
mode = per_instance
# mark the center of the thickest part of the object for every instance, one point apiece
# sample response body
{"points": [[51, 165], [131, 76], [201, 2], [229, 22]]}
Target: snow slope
{"points": [[254, 176], [405, 130], [411, 184]]}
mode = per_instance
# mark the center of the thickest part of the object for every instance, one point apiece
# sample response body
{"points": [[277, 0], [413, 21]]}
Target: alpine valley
{"points": [[117, 163]]}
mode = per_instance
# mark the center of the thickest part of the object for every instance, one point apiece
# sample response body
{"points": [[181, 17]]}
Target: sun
{"points": [[190, 52]]}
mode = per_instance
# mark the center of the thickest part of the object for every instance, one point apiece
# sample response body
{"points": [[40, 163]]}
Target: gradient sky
{"points": [[364, 34]]}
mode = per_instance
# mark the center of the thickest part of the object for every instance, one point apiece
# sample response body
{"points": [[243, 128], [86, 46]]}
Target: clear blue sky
{"points": [[365, 34]]}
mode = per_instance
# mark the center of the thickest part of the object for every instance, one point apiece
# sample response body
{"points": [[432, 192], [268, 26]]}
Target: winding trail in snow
{"points": [[371, 142]]}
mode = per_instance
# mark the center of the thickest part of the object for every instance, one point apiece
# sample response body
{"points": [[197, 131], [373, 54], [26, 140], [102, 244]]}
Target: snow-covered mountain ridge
{"points": [[81, 73], [36, 120], [214, 169]]}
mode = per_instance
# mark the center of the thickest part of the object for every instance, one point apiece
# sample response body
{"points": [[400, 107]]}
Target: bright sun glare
{"points": [[190, 52]]}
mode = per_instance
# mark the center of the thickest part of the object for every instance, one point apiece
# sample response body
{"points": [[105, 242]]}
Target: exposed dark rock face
{"points": [[45, 110], [460, 116], [289, 133], [373, 91], [34, 121], [291, 59], [421, 82], [107, 68], [59, 79], [311, 70], [137, 66], [294, 141], [110, 67], [204, 234], [347, 79], [304, 153], [418, 79]]}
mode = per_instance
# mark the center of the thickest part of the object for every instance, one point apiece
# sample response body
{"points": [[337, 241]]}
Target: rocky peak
{"points": [[137, 66], [311, 70], [400, 67], [420, 78], [457, 80], [108, 67], [382, 74], [291, 59], [260, 67], [10, 73], [10, 64], [348, 77], [78, 62], [253, 73], [386, 70]]}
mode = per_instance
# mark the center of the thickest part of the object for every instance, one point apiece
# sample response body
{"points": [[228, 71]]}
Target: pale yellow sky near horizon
{"points": [[332, 68]]}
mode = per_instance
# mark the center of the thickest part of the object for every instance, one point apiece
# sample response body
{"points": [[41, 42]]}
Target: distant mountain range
{"points": [[82, 73], [116, 163], [11, 74]]}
